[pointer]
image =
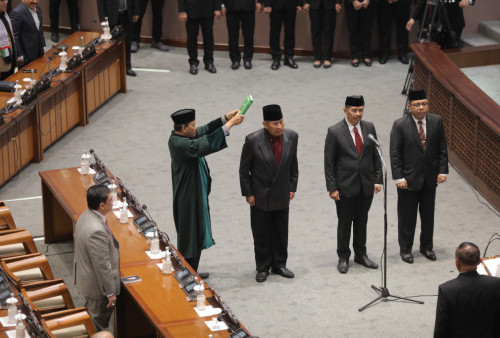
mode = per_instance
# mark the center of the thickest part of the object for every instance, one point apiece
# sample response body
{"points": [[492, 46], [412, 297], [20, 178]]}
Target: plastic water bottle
{"points": [[166, 268], [85, 163], [20, 317], [200, 296], [124, 212], [12, 308], [155, 244]]}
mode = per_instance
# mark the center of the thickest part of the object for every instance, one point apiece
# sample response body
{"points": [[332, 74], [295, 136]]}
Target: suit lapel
{"points": [[414, 132], [428, 132], [364, 132], [27, 12], [267, 152], [348, 137]]}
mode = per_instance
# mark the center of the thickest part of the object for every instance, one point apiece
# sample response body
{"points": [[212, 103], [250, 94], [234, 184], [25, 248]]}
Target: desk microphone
{"points": [[370, 136]]}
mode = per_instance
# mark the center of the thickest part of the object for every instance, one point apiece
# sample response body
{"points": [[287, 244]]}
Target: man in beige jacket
{"points": [[97, 257]]}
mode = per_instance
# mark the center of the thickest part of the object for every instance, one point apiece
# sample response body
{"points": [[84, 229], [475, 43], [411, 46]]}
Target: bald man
{"points": [[469, 305]]}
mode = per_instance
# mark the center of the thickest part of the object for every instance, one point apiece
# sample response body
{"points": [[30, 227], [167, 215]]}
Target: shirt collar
{"points": [[351, 127], [424, 120], [101, 216]]}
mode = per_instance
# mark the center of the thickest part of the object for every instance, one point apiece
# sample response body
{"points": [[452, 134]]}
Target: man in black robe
{"points": [[191, 178]]}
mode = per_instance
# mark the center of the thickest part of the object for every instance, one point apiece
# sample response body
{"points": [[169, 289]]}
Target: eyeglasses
{"points": [[416, 105]]}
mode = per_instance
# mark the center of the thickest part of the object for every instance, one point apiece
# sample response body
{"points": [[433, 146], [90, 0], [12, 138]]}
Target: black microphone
{"points": [[371, 137]]}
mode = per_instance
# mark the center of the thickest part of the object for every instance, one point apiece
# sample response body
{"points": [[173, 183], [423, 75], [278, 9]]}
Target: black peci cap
{"points": [[417, 95], [355, 101], [183, 116], [272, 112]]}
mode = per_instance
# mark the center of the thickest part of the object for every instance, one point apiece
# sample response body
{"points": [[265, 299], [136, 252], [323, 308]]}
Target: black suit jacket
{"points": [[327, 4], [239, 5], [199, 8], [468, 306], [408, 158], [29, 39], [261, 177], [282, 4], [345, 170]]}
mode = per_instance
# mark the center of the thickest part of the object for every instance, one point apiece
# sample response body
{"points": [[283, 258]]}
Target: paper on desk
{"points": [[91, 171], [216, 326], [491, 264], [117, 214], [160, 266], [12, 99], [208, 311], [5, 322], [159, 255], [12, 334]]}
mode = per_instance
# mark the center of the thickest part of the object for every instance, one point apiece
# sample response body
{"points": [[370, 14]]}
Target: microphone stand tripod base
{"points": [[384, 294]]}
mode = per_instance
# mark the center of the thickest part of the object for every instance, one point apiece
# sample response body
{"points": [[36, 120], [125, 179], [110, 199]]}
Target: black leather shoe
{"points": [[404, 59], [407, 258], [364, 260], [160, 46], [283, 272], [261, 276], [247, 64], [429, 254], [211, 68], [343, 265], [130, 72], [327, 65], [193, 69], [204, 275], [235, 65], [275, 65], [290, 63], [368, 62], [134, 47], [383, 59], [317, 64], [55, 37], [355, 62]]}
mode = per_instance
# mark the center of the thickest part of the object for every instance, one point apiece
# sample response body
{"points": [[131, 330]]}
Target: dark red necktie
{"points": [[421, 133], [359, 142]]}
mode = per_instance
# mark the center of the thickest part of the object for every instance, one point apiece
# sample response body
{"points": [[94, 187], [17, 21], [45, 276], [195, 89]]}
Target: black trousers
{"points": [[408, 204], [456, 17], [399, 13], [352, 211], [157, 10], [124, 20], [359, 24], [207, 30], [270, 238], [322, 31], [247, 21], [194, 261], [278, 18], [54, 15]]}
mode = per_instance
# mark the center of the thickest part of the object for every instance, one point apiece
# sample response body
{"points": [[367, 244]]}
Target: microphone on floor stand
{"points": [[371, 137]]}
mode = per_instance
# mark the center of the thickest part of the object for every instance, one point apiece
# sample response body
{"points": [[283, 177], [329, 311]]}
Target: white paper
{"points": [[5, 322], [160, 266], [492, 265], [216, 326], [117, 214], [12, 334], [91, 171], [157, 256], [208, 311]]}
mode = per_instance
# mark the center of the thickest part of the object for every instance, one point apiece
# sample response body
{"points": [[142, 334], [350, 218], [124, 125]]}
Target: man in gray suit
{"points": [[97, 257], [268, 179], [353, 174]]}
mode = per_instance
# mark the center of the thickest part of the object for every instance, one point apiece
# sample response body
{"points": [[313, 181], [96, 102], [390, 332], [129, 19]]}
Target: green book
{"points": [[246, 104]]}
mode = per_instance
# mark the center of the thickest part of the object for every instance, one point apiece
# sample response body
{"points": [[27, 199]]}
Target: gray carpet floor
{"points": [[130, 135]]}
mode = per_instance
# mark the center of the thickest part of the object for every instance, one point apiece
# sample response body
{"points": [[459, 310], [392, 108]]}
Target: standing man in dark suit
{"points": [[54, 17], [196, 14], [419, 161], [268, 178], [27, 25], [8, 59], [353, 174], [323, 14], [469, 305], [118, 12], [240, 12], [399, 12], [157, 13], [97, 257], [282, 13], [359, 15]]}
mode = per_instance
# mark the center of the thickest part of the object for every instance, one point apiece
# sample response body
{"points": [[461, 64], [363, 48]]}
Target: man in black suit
{"points": [[359, 15], [469, 305], [196, 14], [399, 12], [240, 12], [268, 178], [54, 17], [27, 26], [157, 13], [353, 174], [419, 161], [282, 12], [118, 12]]}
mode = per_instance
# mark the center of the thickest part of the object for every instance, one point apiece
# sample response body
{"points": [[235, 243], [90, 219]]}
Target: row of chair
{"points": [[31, 274]]}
